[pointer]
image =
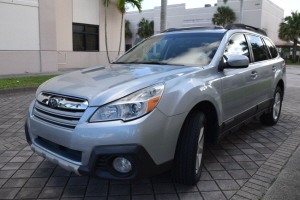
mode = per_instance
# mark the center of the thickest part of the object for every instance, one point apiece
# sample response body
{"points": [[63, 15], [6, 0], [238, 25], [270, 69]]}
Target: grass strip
{"points": [[289, 62], [24, 81]]}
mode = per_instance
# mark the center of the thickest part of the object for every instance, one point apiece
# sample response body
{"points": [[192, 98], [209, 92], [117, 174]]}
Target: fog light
{"points": [[122, 165]]}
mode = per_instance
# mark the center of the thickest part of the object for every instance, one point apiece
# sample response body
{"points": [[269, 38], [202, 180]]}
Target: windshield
{"points": [[190, 49]]}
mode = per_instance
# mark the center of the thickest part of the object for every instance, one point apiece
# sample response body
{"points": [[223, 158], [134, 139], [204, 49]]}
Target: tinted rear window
{"points": [[272, 48], [259, 50]]}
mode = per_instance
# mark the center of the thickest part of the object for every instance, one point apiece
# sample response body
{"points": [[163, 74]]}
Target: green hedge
{"points": [[291, 57]]}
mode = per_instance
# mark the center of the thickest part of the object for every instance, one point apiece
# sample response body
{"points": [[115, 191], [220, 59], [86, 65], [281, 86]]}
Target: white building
{"points": [[47, 35], [263, 14]]}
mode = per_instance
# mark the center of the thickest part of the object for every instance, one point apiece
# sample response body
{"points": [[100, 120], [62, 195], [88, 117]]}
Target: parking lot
{"points": [[242, 166]]}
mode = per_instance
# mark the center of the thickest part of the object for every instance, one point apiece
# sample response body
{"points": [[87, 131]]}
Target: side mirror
{"points": [[237, 61]]}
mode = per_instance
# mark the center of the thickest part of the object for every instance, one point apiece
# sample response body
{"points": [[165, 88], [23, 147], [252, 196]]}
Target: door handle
{"points": [[274, 68], [254, 75]]}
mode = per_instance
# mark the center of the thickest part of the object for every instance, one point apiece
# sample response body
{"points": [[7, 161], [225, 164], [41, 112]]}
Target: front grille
{"points": [[66, 118]]}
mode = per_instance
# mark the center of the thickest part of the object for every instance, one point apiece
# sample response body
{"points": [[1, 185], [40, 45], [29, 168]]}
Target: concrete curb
{"points": [[287, 183], [264, 178], [9, 91]]}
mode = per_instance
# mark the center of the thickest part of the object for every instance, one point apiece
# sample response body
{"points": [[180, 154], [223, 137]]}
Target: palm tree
{"points": [[223, 16], [241, 9], [106, 2], [146, 28], [128, 33], [122, 8], [163, 13], [289, 29]]}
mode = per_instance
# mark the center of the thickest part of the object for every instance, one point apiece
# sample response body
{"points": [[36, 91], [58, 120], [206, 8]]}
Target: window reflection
{"points": [[258, 48], [192, 49], [272, 48], [237, 45]]}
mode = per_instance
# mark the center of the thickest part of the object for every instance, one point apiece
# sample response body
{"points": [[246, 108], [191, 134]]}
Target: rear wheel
{"points": [[189, 152], [273, 117]]}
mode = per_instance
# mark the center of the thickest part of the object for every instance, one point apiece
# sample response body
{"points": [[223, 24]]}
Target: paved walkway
{"points": [[242, 166], [287, 183]]}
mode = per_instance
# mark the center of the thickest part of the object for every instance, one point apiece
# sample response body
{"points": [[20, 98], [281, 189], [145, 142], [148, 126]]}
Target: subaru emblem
{"points": [[53, 103]]}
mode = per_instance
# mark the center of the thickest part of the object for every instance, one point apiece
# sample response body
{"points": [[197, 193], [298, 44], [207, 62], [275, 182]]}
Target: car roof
{"points": [[195, 30], [217, 29]]}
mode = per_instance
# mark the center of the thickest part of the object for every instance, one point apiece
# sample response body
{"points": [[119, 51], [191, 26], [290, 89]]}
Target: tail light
{"points": [[283, 61]]}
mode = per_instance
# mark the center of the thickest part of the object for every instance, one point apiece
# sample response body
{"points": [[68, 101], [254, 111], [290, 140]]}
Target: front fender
{"points": [[184, 93]]}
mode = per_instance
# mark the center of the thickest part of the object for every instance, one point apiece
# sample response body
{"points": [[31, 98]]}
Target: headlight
{"points": [[132, 106]]}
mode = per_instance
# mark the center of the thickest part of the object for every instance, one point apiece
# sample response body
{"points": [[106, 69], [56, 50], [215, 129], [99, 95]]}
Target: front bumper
{"points": [[143, 166], [148, 142], [100, 164]]}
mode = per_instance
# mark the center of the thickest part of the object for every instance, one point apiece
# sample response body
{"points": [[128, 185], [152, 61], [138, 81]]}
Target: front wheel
{"points": [[273, 117], [189, 151]]}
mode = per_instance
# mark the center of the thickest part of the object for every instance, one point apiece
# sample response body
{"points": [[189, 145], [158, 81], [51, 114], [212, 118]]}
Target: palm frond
{"points": [[223, 16]]}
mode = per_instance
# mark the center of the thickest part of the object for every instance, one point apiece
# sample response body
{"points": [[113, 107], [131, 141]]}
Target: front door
{"points": [[237, 90]]}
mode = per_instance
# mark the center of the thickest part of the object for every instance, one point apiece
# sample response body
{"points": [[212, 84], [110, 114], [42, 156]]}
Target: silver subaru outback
{"points": [[155, 107]]}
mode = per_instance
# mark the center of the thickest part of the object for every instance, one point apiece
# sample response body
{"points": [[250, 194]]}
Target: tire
{"points": [[187, 165], [272, 118]]}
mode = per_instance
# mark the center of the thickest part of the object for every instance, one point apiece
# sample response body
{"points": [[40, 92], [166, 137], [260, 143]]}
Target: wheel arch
{"points": [[211, 114], [212, 119], [281, 85]]}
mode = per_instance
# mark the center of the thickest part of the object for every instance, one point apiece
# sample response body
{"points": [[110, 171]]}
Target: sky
{"points": [[287, 5]]}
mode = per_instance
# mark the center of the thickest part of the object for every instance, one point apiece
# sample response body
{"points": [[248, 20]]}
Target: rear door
{"points": [[261, 74], [276, 64]]}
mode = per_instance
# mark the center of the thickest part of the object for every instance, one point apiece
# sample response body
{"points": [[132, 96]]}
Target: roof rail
{"points": [[193, 28], [246, 27]]}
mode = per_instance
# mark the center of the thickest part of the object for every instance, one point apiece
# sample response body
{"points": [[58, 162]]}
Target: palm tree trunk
{"points": [[163, 13], [106, 4], [294, 51], [241, 11], [121, 35]]}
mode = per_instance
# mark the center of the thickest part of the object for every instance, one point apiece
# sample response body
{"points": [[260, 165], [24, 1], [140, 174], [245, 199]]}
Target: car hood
{"points": [[103, 84]]}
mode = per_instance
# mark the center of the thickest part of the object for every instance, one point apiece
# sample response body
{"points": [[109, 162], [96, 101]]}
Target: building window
{"points": [[128, 46], [85, 37]]}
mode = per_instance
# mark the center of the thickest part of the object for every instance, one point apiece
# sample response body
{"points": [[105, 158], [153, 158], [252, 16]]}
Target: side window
{"points": [[237, 45], [259, 50], [272, 48]]}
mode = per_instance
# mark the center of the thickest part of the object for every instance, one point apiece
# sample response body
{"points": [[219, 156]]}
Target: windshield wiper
{"points": [[151, 62], [157, 63], [121, 62]]}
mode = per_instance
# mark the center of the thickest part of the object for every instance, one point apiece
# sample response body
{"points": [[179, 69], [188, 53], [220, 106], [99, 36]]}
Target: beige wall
{"points": [[48, 37], [19, 37], [36, 35], [86, 12], [113, 27], [80, 59], [64, 19], [19, 27], [18, 62], [90, 14], [22, 2], [271, 13]]}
